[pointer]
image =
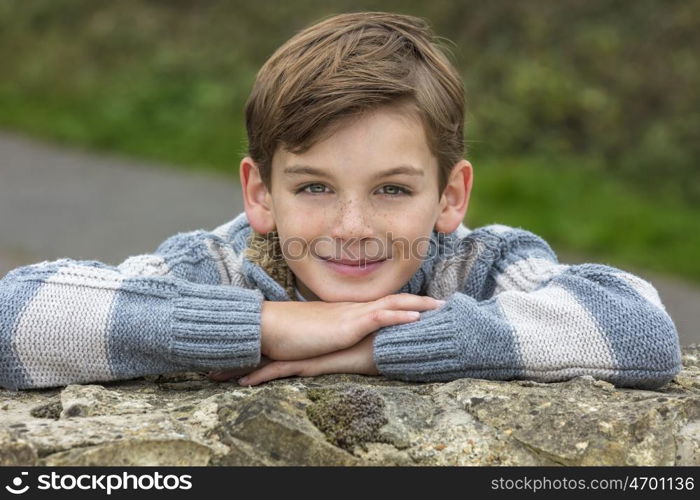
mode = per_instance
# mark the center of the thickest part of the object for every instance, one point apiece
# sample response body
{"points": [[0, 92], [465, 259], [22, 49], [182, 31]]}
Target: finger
{"points": [[336, 362], [271, 371], [379, 318], [356, 359], [409, 301]]}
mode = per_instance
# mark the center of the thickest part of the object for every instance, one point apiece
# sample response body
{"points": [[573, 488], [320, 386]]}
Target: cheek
{"points": [[411, 244], [415, 226], [413, 221], [294, 248], [411, 248], [301, 237], [293, 222], [293, 214]]}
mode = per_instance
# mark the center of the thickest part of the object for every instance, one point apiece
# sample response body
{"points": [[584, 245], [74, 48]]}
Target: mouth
{"points": [[354, 268], [350, 262]]}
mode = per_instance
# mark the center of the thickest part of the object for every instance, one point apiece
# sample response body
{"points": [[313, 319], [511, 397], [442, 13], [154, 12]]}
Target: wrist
{"points": [[424, 350], [266, 313]]}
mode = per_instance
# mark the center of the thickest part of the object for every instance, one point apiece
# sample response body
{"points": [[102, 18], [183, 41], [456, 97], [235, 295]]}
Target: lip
{"points": [[350, 262], [355, 268]]}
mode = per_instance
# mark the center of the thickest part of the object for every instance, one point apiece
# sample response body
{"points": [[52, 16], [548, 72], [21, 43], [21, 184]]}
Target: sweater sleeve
{"points": [[69, 321], [520, 314]]}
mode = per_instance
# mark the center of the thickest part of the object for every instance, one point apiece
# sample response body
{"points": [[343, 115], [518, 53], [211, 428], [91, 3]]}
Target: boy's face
{"points": [[347, 210]]}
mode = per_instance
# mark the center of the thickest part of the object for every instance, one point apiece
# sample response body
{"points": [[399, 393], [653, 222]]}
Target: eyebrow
{"points": [[308, 170]]}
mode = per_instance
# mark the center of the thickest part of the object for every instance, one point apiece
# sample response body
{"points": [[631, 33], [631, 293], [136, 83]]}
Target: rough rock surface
{"points": [[185, 419]]}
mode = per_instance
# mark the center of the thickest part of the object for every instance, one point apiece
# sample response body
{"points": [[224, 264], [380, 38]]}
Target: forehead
{"points": [[376, 140]]}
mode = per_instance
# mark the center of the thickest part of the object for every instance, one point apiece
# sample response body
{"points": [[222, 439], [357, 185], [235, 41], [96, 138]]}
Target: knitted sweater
{"points": [[512, 312]]}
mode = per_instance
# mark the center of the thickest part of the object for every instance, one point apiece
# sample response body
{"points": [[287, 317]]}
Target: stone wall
{"points": [[185, 419]]}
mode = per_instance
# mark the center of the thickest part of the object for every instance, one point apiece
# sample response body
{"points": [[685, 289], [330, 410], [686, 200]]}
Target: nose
{"points": [[352, 221]]}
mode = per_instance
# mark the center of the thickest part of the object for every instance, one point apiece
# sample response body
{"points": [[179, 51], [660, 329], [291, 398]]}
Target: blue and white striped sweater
{"points": [[512, 311]]}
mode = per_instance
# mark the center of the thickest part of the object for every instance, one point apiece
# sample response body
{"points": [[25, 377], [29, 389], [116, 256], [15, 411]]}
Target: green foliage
{"points": [[614, 82], [580, 211]]}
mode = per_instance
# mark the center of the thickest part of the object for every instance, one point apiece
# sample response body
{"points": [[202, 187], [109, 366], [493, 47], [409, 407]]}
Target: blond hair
{"points": [[349, 64]]}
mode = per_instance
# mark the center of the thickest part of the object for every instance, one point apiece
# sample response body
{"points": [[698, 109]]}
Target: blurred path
{"points": [[56, 202]]}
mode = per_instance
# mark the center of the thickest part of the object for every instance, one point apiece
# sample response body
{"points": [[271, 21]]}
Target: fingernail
{"points": [[441, 302], [243, 381]]}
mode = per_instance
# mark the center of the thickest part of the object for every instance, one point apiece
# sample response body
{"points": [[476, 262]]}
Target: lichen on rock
{"points": [[347, 417]]}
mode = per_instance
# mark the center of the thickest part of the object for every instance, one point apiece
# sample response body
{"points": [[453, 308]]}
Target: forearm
{"points": [[77, 324], [547, 335]]}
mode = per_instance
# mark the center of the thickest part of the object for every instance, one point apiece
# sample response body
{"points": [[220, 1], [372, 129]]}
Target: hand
{"points": [[305, 330], [356, 359]]}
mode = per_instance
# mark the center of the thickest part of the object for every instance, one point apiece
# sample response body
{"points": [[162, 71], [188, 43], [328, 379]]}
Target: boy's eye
{"points": [[390, 189], [395, 190], [312, 190]]}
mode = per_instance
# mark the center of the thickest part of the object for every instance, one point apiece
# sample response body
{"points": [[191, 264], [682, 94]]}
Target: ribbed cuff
{"points": [[424, 350], [216, 327]]}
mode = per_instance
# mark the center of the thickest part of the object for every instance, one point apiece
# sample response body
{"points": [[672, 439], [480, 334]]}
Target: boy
{"points": [[355, 189]]}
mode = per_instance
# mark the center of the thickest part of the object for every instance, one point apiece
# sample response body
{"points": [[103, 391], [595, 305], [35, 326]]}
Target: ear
{"points": [[256, 198], [455, 197]]}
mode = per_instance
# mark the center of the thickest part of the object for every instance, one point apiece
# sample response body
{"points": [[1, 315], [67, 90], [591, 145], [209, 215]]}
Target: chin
{"points": [[350, 295]]}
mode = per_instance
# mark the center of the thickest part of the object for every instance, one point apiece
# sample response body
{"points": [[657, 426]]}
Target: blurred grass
{"points": [[580, 211], [163, 121], [582, 124]]}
